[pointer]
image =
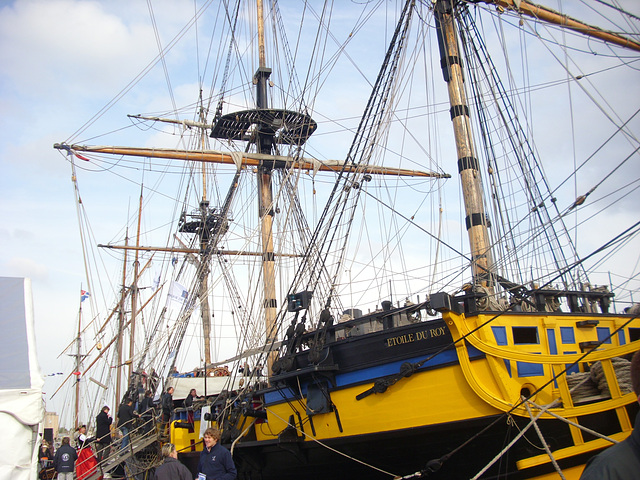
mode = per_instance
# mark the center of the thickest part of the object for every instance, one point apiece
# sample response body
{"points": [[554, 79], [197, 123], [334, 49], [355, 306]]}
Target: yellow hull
{"points": [[497, 360]]}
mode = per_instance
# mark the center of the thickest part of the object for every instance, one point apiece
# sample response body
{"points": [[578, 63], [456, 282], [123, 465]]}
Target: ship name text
{"points": [[415, 336]]}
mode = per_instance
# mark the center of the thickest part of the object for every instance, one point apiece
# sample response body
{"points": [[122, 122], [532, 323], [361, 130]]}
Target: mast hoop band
{"points": [[446, 62], [475, 219], [458, 110], [468, 163]]}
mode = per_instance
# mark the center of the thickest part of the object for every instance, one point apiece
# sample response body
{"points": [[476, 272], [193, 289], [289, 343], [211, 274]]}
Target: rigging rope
{"points": [[328, 447], [140, 75], [477, 54], [542, 439]]}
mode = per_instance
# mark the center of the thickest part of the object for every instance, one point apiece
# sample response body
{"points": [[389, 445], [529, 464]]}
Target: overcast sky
{"points": [[61, 61]]}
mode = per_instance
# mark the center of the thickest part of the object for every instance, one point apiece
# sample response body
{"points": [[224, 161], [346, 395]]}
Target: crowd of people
{"points": [[82, 459], [83, 456]]}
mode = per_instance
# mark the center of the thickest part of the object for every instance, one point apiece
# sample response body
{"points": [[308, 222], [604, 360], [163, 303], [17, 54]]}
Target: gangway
{"points": [[138, 456]]}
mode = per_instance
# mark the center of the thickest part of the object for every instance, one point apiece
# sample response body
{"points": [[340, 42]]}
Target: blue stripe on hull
{"points": [[370, 374]]}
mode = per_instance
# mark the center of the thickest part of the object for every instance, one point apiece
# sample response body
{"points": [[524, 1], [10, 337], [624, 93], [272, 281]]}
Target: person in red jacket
{"points": [[87, 464]]}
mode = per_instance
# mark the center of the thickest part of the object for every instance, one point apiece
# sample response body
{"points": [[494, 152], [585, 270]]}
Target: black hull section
{"points": [[407, 452]]}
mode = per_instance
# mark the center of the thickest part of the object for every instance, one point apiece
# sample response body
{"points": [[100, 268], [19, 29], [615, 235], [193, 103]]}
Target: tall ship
{"points": [[381, 240]]}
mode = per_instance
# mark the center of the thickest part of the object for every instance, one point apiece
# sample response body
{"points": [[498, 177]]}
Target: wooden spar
{"points": [[548, 15], [248, 159], [185, 123], [195, 250]]}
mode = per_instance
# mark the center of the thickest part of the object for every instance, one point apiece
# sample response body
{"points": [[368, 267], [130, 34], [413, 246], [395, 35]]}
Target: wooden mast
{"points": [[265, 196], [203, 293], [121, 325], [78, 366], [134, 291], [468, 167]]}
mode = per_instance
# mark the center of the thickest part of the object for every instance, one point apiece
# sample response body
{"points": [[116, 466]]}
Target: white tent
{"points": [[21, 381]]}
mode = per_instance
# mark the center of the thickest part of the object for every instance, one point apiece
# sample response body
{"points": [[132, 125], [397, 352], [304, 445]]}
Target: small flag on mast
{"points": [[81, 157], [84, 295]]}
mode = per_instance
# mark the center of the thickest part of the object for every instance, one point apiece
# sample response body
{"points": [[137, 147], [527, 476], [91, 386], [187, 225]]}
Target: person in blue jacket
{"points": [[64, 461], [622, 460], [215, 460]]}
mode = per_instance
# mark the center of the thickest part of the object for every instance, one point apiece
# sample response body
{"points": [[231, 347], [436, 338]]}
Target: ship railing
{"points": [[134, 453]]}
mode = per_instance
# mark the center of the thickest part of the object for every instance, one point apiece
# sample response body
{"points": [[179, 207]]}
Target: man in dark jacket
{"points": [[64, 460], [215, 460], [125, 420], [171, 469], [103, 433], [167, 409], [146, 411], [622, 460], [188, 404]]}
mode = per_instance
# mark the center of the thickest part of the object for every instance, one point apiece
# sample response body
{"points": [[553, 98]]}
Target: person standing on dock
{"points": [[215, 460], [86, 465], [622, 460], [64, 460], [44, 455], [171, 469]]}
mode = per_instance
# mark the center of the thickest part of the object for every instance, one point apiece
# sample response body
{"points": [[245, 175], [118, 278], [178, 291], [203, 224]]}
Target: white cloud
{"points": [[58, 47], [26, 267]]}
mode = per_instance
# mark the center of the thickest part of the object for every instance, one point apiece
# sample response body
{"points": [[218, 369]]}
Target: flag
{"points": [[156, 283], [84, 295], [178, 293], [81, 157]]}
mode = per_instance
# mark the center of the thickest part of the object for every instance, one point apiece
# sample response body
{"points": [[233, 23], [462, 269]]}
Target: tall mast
{"points": [[121, 324], [205, 255], [265, 194], [134, 290], [468, 167], [78, 366], [266, 127]]}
